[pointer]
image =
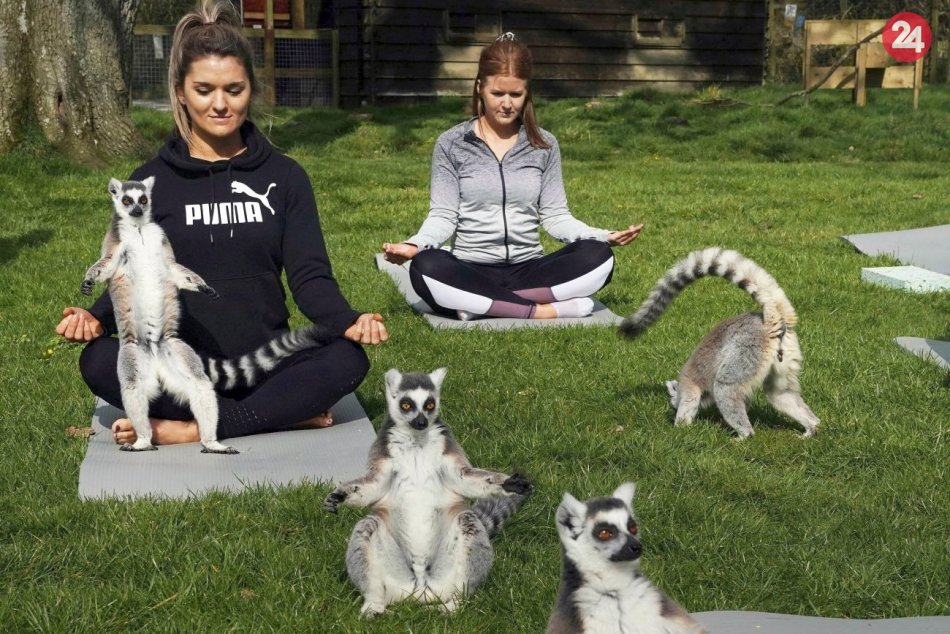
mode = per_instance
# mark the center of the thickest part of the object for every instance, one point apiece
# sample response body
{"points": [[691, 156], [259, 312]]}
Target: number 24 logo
{"points": [[908, 37]]}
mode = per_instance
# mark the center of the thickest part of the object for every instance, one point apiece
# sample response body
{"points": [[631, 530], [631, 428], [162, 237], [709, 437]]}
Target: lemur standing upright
{"points": [[602, 590], [144, 279], [738, 355], [421, 539]]}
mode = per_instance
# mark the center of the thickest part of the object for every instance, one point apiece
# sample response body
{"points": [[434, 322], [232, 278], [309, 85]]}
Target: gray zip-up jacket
{"points": [[494, 208]]}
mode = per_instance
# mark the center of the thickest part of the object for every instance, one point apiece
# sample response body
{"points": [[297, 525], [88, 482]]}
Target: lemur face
{"points": [[132, 199], [413, 398], [601, 528]]}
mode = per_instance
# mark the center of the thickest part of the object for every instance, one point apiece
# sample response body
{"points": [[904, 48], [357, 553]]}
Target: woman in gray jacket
{"points": [[496, 179]]}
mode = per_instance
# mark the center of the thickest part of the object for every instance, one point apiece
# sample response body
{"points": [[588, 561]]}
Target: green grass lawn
{"points": [[851, 523]]}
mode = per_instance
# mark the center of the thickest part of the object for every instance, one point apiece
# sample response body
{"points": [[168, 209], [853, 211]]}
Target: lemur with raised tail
{"points": [[421, 539], [740, 353], [602, 590], [144, 280]]}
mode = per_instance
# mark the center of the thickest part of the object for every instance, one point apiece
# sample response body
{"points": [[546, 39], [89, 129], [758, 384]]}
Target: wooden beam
{"points": [[298, 14], [270, 86]]}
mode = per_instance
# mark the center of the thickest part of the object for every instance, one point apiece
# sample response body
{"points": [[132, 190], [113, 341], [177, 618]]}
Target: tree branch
{"points": [[834, 67]]}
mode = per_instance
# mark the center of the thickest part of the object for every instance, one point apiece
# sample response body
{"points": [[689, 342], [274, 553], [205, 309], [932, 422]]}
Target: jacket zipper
{"points": [[504, 211]]}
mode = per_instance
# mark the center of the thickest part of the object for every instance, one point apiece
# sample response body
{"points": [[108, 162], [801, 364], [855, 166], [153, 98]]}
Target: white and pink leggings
{"points": [[449, 285]]}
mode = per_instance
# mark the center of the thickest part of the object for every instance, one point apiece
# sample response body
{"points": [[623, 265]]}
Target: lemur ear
{"points": [[393, 378], [115, 186], [438, 376], [149, 182], [625, 493], [570, 516]]}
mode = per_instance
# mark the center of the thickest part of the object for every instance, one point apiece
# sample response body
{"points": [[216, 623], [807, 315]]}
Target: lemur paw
{"points": [[333, 500], [371, 610], [672, 387], [517, 483], [222, 449], [131, 447], [86, 288]]}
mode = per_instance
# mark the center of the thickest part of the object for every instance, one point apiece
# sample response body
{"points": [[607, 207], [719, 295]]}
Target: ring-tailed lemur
{"points": [[144, 279], [739, 354], [421, 539], [602, 590]]}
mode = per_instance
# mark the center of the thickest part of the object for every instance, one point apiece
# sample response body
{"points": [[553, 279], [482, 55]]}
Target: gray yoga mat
{"points": [[602, 316], [333, 454], [727, 622], [932, 350], [926, 247]]}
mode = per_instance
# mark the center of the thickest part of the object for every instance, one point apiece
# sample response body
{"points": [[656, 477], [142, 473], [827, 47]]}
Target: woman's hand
{"points": [[625, 236], [78, 324], [399, 253], [367, 329]]}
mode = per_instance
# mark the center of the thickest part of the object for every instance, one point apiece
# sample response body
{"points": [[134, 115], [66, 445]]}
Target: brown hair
{"points": [[509, 56], [213, 28]]}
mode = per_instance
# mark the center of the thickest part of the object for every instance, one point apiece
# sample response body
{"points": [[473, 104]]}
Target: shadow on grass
{"points": [[374, 404], [765, 416], [314, 129], [761, 416], [10, 247]]}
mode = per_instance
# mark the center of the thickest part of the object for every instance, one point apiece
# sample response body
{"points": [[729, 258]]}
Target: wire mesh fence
{"points": [[305, 68]]}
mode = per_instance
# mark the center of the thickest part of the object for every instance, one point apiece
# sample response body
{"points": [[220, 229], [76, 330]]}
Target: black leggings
{"points": [[302, 386], [448, 284]]}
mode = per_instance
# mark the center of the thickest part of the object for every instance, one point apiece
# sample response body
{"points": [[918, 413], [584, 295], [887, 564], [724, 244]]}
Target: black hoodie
{"points": [[238, 223]]}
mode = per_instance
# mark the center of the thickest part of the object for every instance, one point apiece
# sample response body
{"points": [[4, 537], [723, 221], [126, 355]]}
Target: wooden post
{"points": [[773, 39], [806, 63], [860, 96], [918, 80], [934, 28], [270, 73], [298, 14]]}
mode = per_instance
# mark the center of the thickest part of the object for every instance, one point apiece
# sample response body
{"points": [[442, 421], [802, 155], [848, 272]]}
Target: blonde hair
{"points": [[213, 28], [509, 56]]}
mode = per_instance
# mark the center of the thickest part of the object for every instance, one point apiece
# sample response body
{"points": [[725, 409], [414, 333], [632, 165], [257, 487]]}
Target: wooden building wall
{"points": [[348, 20], [415, 48]]}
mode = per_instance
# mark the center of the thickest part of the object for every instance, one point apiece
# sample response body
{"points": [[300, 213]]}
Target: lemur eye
{"points": [[143, 200], [430, 405], [632, 527], [126, 201], [606, 533], [405, 406]]}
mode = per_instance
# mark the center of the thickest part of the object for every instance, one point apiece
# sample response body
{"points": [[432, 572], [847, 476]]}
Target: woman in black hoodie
{"points": [[237, 213]]}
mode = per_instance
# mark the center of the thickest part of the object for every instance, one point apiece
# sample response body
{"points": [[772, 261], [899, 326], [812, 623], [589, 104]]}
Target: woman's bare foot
{"points": [[544, 311], [319, 421], [576, 307], [164, 432]]}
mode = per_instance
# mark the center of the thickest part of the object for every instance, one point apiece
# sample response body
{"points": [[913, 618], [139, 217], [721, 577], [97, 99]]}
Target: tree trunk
{"points": [[64, 68]]}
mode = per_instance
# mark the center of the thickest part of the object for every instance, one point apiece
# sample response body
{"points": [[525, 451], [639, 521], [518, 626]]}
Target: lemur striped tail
{"points": [[730, 265], [248, 369], [493, 512]]}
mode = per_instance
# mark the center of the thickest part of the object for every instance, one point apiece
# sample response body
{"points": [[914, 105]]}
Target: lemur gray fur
{"points": [[739, 354], [144, 279], [421, 539], [602, 590]]}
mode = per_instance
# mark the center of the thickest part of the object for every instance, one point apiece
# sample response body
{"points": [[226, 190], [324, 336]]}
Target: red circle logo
{"points": [[907, 37]]}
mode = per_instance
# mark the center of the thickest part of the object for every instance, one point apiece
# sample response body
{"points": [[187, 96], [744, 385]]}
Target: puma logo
{"points": [[237, 187]]}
